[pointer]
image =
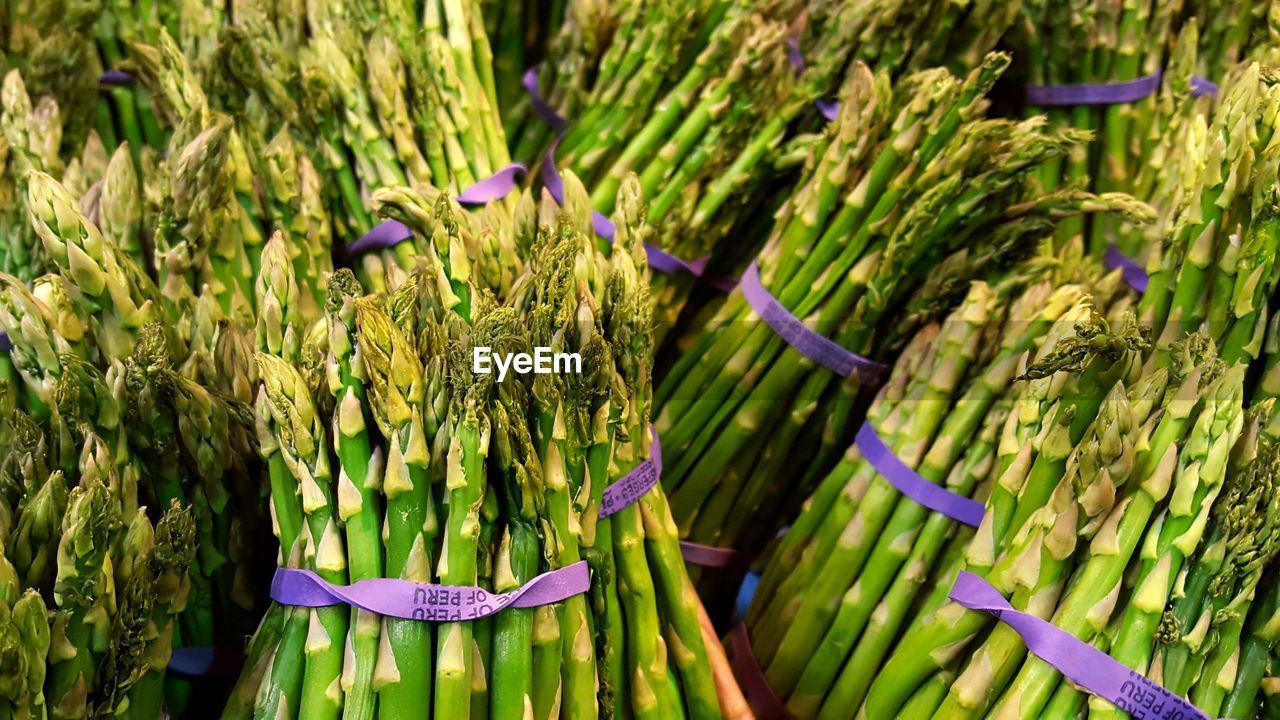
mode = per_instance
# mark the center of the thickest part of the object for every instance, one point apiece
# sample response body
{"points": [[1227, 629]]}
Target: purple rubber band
{"points": [[389, 233], [1093, 94], [540, 106], [632, 486], [1080, 662], [427, 601], [828, 108], [659, 259], [207, 661], [754, 684], [807, 342], [494, 187], [115, 77], [386, 234], [715, 557], [909, 482], [5, 343], [1129, 268], [794, 56], [1203, 86]]}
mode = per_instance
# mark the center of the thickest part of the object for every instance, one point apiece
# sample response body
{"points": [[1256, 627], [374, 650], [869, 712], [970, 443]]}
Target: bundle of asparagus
{"points": [[91, 586], [97, 352], [740, 410], [448, 474], [941, 413], [703, 124]]}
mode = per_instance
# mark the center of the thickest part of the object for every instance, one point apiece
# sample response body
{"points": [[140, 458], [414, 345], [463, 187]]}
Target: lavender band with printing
{"points": [[1078, 661], [1133, 274], [5, 343], [427, 601], [632, 486], [909, 482], [807, 342], [389, 233], [115, 77], [754, 684], [659, 259], [540, 106], [715, 557]]}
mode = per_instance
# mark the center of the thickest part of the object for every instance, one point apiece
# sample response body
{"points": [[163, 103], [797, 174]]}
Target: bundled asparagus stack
{"points": [[1094, 449], [703, 124], [91, 586], [740, 410], [94, 361], [1096, 44], [448, 474], [941, 413]]}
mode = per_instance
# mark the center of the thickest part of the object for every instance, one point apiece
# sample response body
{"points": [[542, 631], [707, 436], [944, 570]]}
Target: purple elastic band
{"points": [[794, 56], [632, 486], [385, 234], [494, 187], [389, 233], [909, 482], [1093, 94], [540, 106], [1203, 86], [426, 601], [659, 259], [754, 684], [1129, 268], [115, 77], [1080, 662], [829, 108], [715, 557], [807, 342], [208, 661], [555, 186], [5, 343]]}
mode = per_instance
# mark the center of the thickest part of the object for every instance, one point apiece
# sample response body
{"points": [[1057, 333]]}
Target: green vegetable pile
{"points": [[251, 254]]}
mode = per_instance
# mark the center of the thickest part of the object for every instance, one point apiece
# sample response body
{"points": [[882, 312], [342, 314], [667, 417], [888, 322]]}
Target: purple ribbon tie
{"points": [[1132, 272], [1203, 86], [710, 556], [427, 601], [909, 482], [829, 108], [5, 343], [632, 486], [1094, 93], [389, 233], [540, 106], [115, 77], [809, 343], [1080, 662], [494, 187], [386, 234], [755, 685], [659, 259]]}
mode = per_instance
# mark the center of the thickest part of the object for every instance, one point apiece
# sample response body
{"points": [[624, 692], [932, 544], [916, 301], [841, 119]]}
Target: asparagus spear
{"points": [[360, 474]]}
